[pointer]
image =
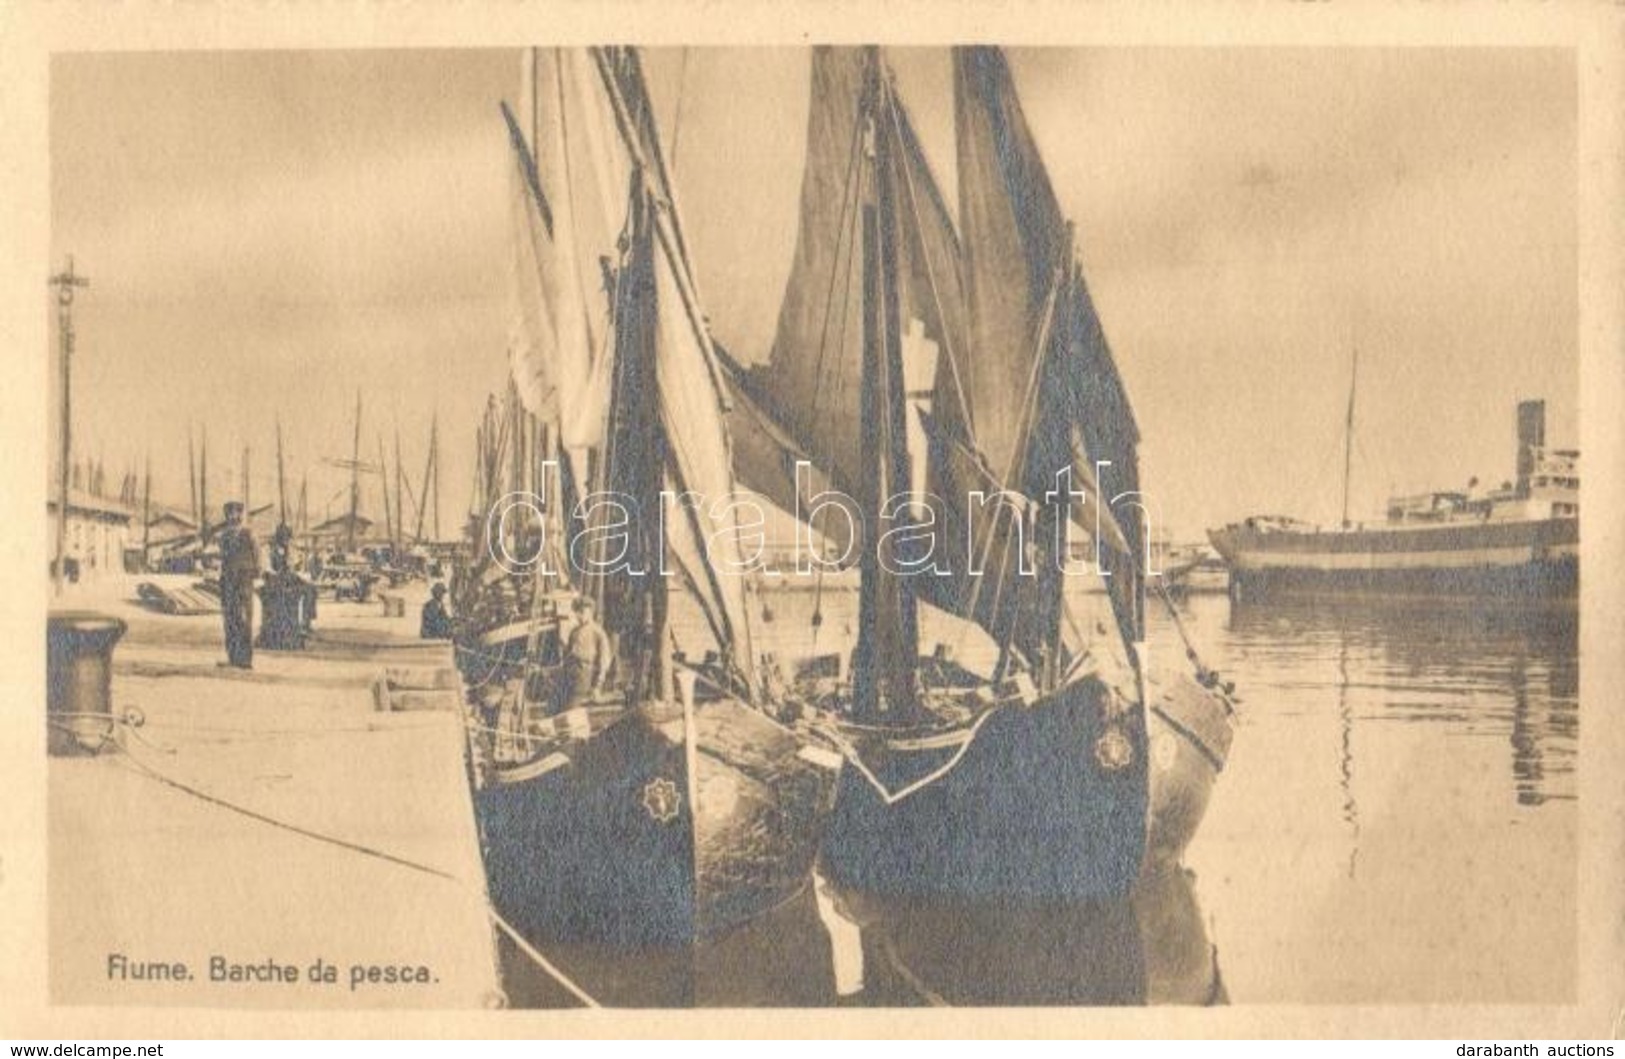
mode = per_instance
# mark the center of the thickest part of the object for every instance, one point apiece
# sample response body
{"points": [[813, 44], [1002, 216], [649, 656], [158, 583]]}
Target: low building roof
{"points": [[83, 502]]}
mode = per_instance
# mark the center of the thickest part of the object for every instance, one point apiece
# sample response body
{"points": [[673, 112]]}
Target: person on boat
{"points": [[239, 566], [587, 655], [436, 624], [281, 548]]}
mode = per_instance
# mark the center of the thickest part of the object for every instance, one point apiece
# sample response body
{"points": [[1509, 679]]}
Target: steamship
{"points": [[1522, 540]]}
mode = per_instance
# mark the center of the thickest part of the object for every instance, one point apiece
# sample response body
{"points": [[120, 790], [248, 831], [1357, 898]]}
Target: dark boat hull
{"points": [[577, 854], [1029, 812], [1190, 736], [1536, 559], [611, 848]]}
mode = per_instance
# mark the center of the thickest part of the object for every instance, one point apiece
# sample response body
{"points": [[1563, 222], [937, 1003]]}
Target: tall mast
{"points": [[146, 512], [65, 283], [281, 478], [423, 490], [355, 477], [203, 486], [248, 507], [434, 459], [191, 476], [887, 649], [383, 482], [1348, 436], [400, 487]]}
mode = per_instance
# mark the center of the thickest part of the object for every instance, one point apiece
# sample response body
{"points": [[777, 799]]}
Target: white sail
{"points": [[571, 212], [705, 543]]}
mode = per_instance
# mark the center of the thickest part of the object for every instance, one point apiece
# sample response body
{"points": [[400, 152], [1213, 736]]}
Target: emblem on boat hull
{"points": [[1113, 750], [661, 799]]}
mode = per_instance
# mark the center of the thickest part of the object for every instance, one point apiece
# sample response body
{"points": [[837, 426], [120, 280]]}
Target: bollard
{"points": [[287, 605], [79, 680]]}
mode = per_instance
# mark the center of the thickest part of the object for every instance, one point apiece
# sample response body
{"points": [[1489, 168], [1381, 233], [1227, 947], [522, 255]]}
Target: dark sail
{"points": [[1043, 391], [812, 383]]}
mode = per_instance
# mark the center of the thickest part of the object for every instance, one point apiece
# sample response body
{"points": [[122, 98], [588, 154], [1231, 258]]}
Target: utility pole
{"points": [[65, 283], [248, 506]]}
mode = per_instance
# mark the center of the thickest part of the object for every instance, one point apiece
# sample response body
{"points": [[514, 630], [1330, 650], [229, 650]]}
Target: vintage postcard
{"points": [[809, 523]]}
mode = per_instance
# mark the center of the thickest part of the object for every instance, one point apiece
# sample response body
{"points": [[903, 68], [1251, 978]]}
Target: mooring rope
{"points": [[524, 946]]}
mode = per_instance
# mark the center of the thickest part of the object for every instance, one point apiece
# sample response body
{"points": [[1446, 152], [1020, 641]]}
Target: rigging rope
{"points": [[677, 110], [563, 980], [846, 233]]}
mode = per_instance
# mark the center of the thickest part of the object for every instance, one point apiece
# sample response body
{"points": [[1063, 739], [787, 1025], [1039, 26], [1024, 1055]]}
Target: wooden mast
{"points": [[884, 662], [203, 486], [146, 512], [383, 482], [431, 479], [281, 478], [1348, 436], [191, 476], [400, 481], [355, 478]]}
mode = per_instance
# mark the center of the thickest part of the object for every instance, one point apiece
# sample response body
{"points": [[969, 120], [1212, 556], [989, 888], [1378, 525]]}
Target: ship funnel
{"points": [[1531, 439]]}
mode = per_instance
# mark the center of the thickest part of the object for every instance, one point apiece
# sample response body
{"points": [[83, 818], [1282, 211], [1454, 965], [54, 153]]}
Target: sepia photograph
{"points": [[974, 524]]}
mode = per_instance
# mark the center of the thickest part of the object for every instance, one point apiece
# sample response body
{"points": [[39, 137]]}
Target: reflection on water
{"points": [[833, 948], [1483, 671], [1149, 949], [1396, 824]]}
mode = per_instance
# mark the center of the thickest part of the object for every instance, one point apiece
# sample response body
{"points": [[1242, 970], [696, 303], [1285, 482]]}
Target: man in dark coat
{"points": [[436, 624], [588, 655], [239, 566]]}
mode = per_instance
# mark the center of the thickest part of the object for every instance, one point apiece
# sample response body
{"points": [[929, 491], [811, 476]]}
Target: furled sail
{"points": [[664, 378], [570, 201]]}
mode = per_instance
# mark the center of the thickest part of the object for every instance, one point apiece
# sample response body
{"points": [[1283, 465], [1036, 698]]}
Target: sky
{"points": [[266, 233]]}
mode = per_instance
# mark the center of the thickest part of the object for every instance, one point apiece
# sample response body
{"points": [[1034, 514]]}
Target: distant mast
{"points": [[281, 478], [355, 478], [146, 513], [203, 486], [1348, 436], [191, 475]]}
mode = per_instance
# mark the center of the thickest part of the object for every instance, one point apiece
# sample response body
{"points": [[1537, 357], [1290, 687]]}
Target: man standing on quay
{"points": [[239, 566]]}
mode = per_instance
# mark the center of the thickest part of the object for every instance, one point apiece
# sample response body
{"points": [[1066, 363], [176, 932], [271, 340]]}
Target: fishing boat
{"points": [[1030, 752], [681, 799], [1520, 541]]}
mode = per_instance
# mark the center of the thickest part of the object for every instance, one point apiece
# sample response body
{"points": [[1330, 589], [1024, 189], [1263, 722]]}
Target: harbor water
{"points": [[1396, 824]]}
